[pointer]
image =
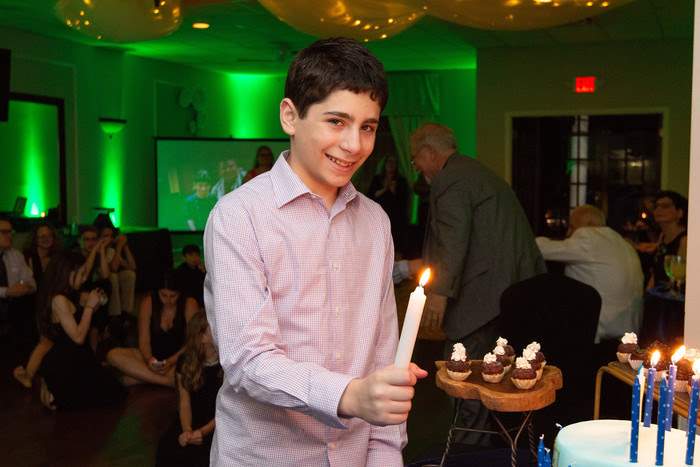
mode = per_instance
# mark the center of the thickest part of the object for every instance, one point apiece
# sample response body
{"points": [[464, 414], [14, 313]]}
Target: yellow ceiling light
{"points": [[200, 25]]}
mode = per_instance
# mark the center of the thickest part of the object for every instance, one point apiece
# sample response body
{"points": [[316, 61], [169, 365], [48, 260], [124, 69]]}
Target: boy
{"points": [[190, 274], [299, 292]]}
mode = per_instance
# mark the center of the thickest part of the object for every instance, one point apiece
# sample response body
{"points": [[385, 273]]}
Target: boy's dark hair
{"points": [[187, 249], [333, 64], [679, 202], [89, 228]]}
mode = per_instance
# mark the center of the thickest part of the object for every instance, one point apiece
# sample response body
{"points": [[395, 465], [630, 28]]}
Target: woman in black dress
{"points": [[71, 376], [390, 190], [163, 318], [199, 377]]}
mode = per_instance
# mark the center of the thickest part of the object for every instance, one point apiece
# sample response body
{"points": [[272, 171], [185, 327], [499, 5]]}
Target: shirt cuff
{"points": [[326, 390]]}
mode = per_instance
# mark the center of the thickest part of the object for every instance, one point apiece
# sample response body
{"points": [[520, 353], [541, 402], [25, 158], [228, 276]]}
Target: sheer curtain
{"points": [[414, 98]]}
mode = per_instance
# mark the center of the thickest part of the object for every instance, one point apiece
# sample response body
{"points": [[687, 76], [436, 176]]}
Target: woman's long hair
{"points": [[193, 357], [31, 247], [56, 282]]}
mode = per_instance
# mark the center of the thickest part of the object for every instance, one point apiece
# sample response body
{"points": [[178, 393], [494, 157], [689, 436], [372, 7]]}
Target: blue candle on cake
{"points": [[672, 369], [649, 397], [661, 430], [540, 452], [634, 434], [693, 414]]}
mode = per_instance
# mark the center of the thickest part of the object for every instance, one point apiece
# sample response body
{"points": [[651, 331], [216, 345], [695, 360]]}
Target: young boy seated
{"points": [[190, 274], [299, 291]]}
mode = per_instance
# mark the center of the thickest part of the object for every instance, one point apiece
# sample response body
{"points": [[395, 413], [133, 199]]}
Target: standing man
{"points": [[299, 291], [478, 242]]}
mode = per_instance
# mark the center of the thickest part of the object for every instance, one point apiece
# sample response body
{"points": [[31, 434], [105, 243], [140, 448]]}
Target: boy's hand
{"points": [[383, 397]]}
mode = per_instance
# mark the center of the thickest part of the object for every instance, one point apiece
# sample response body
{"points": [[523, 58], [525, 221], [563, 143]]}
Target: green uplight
{"points": [[113, 177], [35, 210], [254, 104]]}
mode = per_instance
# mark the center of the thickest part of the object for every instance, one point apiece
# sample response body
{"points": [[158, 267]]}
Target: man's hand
{"points": [[383, 397], [18, 290], [434, 311], [121, 241]]}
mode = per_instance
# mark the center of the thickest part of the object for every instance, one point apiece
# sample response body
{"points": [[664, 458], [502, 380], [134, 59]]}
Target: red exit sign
{"points": [[585, 84]]}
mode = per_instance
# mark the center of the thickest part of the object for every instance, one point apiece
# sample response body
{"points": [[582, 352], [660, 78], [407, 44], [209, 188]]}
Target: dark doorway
{"points": [[611, 161]]}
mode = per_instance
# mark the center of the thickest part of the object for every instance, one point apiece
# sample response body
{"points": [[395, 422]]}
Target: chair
{"points": [[562, 315]]}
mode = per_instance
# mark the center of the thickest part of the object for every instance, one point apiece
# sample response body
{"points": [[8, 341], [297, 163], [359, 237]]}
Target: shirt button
{"points": [[335, 266], [337, 310], [331, 445], [338, 355]]}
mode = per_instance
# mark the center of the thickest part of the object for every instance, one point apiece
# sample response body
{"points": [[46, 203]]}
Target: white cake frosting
{"points": [[529, 354], [522, 363], [502, 342], [490, 358], [459, 353], [534, 346], [629, 338], [606, 443], [498, 350]]}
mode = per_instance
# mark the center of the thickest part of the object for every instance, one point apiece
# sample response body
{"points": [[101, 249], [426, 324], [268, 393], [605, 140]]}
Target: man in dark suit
{"points": [[478, 242]]}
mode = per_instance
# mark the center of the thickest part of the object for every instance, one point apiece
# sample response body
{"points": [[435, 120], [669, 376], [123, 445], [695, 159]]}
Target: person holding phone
{"points": [[162, 320]]}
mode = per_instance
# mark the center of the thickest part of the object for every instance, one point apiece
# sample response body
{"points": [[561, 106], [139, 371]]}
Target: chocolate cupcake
{"points": [[510, 351], [500, 354], [636, 358], [491, 369], [684, 372], [458, 364], [627, 345], [523, 376], [661, 366], [531, 357], [535, 347]]}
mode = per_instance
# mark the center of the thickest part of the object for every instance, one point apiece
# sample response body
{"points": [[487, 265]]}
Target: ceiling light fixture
{"points": [[200, 25]]}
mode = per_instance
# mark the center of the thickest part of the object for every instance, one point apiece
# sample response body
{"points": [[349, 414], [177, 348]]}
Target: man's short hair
{"points": [[88, 228], [435, 135], [334, 64], [189, 249]]}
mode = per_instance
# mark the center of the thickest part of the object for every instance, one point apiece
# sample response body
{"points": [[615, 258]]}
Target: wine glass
{"points": [[674, 266]]}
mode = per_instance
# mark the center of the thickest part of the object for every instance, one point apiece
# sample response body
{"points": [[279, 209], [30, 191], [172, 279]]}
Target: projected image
{"points": [[194, 173]]}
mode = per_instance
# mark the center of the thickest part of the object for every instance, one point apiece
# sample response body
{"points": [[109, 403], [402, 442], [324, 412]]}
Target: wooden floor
{"points": [[127, 437]]}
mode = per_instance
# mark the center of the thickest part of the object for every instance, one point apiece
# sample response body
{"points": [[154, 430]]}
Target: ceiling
{"points": [[245, 37]]}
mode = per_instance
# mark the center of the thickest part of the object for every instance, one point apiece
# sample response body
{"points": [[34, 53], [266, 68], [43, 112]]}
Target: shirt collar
{"points": [[287, 185]]}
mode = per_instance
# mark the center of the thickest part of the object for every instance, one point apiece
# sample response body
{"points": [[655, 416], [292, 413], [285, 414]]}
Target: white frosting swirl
{"points": [[522, 363], [529, 354], [499, 350], [502, 342], [459, 353], [534, 346], [629, 338], [490, 358]]}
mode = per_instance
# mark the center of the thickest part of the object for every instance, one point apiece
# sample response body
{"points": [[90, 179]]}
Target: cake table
{"points": [[499, 397]]}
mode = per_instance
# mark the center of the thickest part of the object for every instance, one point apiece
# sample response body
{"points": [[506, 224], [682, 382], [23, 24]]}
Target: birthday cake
{"points": [[606, 443]]}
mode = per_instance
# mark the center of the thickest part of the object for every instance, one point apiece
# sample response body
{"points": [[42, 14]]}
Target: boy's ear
{"points": [[288, 116]]}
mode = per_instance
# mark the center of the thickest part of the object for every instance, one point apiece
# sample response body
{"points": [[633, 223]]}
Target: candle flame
{"points": [[425, 277], [678, 355], [644, 215], [696, 367], [655, 357]]}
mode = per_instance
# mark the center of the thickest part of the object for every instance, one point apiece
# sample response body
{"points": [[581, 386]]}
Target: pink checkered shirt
{"points": [[300, 301]]}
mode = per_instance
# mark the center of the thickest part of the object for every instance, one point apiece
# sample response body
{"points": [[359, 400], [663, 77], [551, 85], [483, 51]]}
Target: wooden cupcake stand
{"points": [[499, 397]]}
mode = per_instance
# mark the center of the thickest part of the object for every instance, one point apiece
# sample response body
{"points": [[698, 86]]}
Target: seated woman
{"points": [[162, 321], [71, 376], [199, 377], [671, 215]]}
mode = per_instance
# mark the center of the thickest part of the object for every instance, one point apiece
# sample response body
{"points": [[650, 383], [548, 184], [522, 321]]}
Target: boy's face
{"points": [[332, 141], [201, 189]]}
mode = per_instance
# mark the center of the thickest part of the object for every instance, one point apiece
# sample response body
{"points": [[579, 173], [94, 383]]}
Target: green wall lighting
{"points": [[254, 103], [113, 177], [111, 126]]}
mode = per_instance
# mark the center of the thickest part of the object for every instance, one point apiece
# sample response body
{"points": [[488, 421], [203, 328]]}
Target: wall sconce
{"points": [[111, 126]]}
